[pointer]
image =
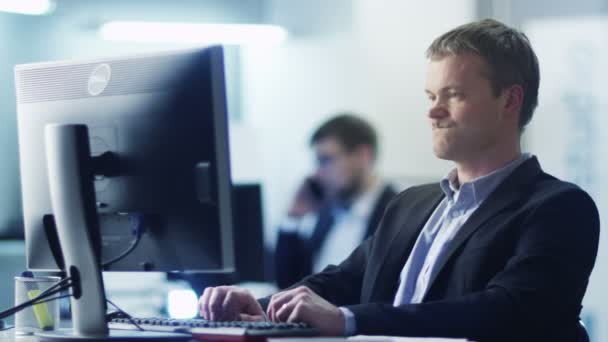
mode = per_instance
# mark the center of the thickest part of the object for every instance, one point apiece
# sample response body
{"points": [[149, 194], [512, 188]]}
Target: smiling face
{"points": [[468, 119]]}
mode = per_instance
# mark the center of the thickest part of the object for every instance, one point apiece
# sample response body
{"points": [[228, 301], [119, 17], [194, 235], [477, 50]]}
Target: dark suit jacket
{"points": [[516, 271], [294, 255]]}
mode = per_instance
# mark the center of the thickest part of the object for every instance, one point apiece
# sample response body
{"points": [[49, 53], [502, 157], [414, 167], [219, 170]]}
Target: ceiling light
{"points": [[30, 7], [192, 33]]}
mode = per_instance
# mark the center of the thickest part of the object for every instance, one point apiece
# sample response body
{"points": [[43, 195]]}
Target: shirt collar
{"points": [[480, 188]]}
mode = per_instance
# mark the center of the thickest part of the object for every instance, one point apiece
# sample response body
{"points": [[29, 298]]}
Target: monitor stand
{"points": [[73, 202]]}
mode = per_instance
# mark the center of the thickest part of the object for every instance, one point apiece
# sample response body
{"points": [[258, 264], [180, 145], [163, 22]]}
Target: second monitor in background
{"points": [[248, 232], [250, 256]]}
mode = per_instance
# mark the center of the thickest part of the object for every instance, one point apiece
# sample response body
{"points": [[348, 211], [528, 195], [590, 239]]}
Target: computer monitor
{"points": [[156, 126]]}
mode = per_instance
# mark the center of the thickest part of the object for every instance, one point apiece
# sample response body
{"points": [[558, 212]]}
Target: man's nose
{"points": [[438, 110]]}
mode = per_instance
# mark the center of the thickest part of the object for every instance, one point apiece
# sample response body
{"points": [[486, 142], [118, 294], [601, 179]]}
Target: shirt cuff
{"points": [[350, 325]]}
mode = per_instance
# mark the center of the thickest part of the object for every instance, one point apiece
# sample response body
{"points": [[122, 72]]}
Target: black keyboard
{"points": [[201, 329]]}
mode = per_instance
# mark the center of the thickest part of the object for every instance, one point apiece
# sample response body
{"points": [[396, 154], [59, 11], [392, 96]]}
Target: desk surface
{"points": [[9, 336]]}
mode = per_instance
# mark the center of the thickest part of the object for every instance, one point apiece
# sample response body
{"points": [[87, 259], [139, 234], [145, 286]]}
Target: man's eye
{"points": [[455, 94]]}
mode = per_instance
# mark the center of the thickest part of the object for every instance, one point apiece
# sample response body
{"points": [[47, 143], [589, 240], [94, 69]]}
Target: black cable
{"points": [[123, 254], [44, 295], [44, 301], [54, 298], [15, 309], [8, 327], [138, 229], [30, 302], [126, 315], [61, 282]]}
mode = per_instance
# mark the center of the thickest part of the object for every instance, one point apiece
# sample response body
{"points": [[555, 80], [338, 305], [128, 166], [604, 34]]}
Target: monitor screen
{"points": [[162, 119]]}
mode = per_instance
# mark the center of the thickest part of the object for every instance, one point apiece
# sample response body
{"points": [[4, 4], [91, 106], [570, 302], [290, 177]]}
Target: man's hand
{"points": [[229, 303], [303, 305], [307, 200]]}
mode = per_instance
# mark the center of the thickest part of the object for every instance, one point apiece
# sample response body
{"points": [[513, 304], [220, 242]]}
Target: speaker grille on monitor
{"points": [[48, 82]]}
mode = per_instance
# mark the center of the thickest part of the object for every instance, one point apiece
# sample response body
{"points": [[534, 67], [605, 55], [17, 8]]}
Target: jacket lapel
{"points": [[385, 277], [506, 194]]}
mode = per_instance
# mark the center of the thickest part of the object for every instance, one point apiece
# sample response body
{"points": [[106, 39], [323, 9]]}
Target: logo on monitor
{"points": [[99, 79]]}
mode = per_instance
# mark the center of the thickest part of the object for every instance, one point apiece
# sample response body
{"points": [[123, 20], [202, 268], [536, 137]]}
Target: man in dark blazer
{"points": [[497, 251], [339, 206]]}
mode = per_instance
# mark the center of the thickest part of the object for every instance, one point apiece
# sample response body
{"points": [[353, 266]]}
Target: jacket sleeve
{"points": [[340, 285]]}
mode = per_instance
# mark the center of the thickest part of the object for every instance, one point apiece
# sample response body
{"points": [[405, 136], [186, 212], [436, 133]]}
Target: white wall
{"points": [[567, 129], [373, 63]]}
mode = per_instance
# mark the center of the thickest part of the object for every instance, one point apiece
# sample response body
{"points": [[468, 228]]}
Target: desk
{"points": [[9, 336]]}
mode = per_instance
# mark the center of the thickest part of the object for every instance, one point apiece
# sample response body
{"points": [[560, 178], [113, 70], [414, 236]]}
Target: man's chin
{"points": [[442, 153]]}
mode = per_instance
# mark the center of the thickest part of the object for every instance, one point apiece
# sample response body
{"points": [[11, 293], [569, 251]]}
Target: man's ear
{"points": [[365, 154], [514, 100]]}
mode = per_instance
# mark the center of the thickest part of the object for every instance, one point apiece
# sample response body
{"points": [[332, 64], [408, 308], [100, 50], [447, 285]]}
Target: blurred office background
{"points": [[361, 55]]}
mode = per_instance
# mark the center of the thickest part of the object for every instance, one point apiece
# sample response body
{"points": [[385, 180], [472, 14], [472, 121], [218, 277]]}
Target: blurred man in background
{"points": [[338, 206]]}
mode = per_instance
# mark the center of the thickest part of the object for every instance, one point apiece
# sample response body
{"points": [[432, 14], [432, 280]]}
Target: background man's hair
{"points": [[349, 129], [507, 52]]}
